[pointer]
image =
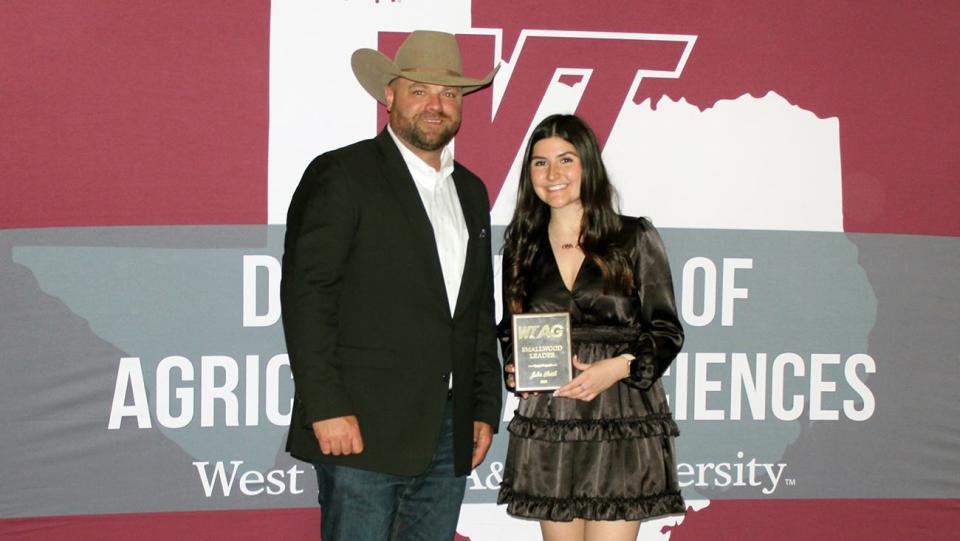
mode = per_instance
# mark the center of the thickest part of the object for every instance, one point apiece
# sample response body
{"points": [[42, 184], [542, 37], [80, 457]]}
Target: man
{"points": [[387, 297]]}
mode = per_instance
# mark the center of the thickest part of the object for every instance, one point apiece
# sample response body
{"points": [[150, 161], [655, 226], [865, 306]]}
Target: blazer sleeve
{"points": [[661, 335], [505, 327], [487, 395], [321, 224]]}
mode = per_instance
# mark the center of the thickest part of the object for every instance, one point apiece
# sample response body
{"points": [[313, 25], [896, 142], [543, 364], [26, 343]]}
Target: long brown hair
{"points": [[598, 229]]}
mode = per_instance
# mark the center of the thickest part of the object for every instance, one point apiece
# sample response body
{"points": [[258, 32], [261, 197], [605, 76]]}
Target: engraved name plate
{"points": [[541, 351]]}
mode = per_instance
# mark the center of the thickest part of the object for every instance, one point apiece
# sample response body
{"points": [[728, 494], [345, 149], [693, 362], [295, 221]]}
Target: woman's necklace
{"points": [[570, 244], [562, 232]]}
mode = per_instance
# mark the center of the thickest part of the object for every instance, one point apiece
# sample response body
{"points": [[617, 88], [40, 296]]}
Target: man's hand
{"points": [[341, 436], [482, 437]]}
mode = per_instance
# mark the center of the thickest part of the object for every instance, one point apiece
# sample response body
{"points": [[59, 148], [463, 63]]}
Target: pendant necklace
{"points": [[570, 245]]}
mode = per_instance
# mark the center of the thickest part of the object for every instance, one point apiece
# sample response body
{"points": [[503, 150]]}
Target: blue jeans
{"points": [[360, 505]]}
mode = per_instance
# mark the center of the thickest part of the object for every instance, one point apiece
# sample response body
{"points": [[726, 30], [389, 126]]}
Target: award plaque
{"points": [[541, 351]]}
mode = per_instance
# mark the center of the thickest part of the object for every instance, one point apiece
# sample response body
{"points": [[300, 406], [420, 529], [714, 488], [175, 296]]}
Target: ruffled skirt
{"points": [[609, 459]]}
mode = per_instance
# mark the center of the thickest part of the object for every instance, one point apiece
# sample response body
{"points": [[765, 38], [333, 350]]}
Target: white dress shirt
{"points": [[439, 196]]}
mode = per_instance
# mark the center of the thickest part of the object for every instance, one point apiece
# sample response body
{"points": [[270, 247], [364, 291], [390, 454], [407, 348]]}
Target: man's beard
{"points": [[411, 133]]}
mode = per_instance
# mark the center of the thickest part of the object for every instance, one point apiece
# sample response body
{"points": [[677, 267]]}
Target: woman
{"points": [[596, 457]]}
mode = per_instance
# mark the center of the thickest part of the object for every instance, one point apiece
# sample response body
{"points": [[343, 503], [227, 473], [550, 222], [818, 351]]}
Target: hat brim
{"points": [[374, 71]]}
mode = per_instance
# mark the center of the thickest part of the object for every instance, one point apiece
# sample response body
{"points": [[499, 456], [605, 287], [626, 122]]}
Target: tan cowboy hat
{"points": [[425, 57]]}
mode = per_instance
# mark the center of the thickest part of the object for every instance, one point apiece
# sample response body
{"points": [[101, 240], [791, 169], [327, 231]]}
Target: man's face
{"points": [[425, 116]]}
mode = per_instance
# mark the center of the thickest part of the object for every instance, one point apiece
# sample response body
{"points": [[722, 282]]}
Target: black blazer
{"points": [[366, 316]]}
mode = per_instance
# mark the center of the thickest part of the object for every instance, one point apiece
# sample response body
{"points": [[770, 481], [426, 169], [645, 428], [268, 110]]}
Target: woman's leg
{"points": [[613, 530], [562, 531]]}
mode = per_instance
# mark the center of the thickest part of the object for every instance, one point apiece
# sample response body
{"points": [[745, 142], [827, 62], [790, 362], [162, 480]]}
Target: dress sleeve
{"points": [[661, 335]]}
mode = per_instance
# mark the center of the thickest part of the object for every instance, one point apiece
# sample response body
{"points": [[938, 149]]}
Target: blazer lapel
{"points": [[411, 206], [473, 243]]}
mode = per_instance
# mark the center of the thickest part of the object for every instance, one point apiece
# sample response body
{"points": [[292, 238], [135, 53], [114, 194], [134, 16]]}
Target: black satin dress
{"points": [[612, 458]]}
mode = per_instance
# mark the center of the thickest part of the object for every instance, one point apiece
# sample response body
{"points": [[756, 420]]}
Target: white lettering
{"points": [[729, 291], [708, 286], [129, 374], [252, 401], [789, 388], [251, 263], [492, 480], [274, 415], [780, 411], [293, 472], [215, 390], [209, 392], [251, 477], [702, 386], [765, 476], [510, 406], [723, 475], [252, 482], [680, 408], [684, 470], [818, 387], [184, 394], [688, 295], [850, 371], [218, 474], [774, 477], [754, 386]]}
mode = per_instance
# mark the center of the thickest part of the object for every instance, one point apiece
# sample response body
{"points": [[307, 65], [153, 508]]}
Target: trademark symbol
{"points": [[790, 482]]}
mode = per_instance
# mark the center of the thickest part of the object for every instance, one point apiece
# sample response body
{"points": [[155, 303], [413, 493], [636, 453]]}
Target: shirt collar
{"points": [[421, 168]]}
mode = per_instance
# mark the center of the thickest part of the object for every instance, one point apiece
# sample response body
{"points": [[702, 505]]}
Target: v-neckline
{"points": [[556, 265]]}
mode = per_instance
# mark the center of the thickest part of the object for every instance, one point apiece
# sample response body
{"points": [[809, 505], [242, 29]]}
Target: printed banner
{"points": [[800, 164]]}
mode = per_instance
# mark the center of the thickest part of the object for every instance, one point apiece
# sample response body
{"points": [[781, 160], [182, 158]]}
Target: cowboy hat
{"points": [[425, 57]]}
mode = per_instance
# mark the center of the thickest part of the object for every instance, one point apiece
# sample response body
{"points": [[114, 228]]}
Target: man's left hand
{"points": [[482, 437]]}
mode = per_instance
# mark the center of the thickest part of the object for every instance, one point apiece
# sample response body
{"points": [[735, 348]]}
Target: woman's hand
{"points": [[595, 378], [510, 381]]}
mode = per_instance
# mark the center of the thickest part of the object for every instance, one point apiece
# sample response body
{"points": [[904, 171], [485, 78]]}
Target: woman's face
{"points": [[555, 171]]}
